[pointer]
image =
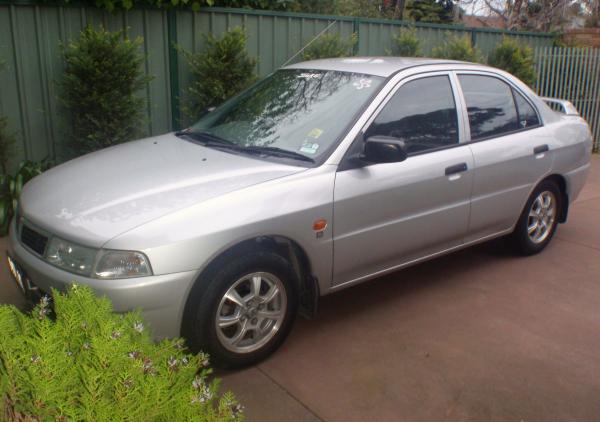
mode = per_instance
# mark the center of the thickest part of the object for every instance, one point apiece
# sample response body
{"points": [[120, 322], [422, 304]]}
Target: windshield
{"points": [[301, 111]]}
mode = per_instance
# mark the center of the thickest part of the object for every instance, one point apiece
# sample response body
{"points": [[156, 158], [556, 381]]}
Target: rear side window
{"points": [[527, 115], [422, 113], [490, 106]]}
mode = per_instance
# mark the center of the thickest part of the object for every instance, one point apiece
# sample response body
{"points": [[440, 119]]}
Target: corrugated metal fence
{"points": [[572, 74], [31, 35]]}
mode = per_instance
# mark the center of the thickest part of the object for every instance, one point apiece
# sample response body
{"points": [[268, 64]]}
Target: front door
{"points": [[389, 214]]}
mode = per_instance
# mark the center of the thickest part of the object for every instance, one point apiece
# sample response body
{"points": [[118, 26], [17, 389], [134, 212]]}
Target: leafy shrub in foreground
{"points": [[514, 58], [103, 74], [90, 364], [222, 70], [330, 45]]}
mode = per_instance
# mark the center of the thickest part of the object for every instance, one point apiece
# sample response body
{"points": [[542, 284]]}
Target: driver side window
{"points": [[422, 113]]}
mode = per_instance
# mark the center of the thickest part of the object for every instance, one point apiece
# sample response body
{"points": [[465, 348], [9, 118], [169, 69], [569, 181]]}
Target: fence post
{"points": [[356, 30], [173, 69], [473, 38]]}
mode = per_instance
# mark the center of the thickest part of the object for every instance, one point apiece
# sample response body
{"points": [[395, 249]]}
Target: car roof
{"points": [[377, 66]]}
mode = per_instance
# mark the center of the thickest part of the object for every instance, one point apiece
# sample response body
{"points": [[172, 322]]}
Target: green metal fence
{"points": [[572, 74], [31, 35]]}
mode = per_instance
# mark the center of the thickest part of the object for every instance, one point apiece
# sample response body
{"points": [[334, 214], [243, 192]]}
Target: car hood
{"points": [[98, 196]]}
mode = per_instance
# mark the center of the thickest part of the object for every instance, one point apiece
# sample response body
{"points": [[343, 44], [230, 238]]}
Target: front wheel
{"points": [[539, 219], [246, 312]]}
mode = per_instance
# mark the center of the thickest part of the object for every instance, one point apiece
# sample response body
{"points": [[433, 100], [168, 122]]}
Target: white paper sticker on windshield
{"points": [[363, 83], [309, 147]]}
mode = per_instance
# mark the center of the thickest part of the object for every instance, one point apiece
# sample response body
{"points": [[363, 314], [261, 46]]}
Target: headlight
{"points": [[122, 264], [71, 257]]}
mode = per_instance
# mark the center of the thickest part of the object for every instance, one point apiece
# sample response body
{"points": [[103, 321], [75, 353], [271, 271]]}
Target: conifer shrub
{"points": [[405, 43], [517, 59], [220, 71], [79, 361], [458, 48], [330, 45], [103, 75]]}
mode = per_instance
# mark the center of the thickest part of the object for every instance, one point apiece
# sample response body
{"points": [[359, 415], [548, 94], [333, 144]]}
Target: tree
{"points": [[533, 15], [220, 71], [432, 11], [103, 74], [515, 59]]}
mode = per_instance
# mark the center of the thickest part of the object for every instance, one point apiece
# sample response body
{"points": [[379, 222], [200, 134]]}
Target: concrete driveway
{"points": [[477, 335]]}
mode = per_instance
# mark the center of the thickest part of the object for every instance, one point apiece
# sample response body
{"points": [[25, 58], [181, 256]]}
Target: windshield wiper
{"points": [[279, 152], [208, 139]]}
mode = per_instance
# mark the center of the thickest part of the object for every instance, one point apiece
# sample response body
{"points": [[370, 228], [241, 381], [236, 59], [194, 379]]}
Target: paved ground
{"points": [[477, 335]]}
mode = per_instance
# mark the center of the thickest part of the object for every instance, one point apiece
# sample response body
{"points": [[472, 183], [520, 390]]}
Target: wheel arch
{"points": [[307, 287], [561, 182]]}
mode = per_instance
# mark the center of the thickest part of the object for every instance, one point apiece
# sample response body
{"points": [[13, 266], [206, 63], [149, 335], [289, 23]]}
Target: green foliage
{"points": [[517, 59], [367, 9], [458, 48], [330, 45], [103, 73], [7, 144], [222, 70], [12, 185], [90, 364], [432, 11], [405, 43], [7, 140]]}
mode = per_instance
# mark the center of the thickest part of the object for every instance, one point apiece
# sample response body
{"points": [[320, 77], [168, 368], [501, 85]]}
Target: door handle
{"points": [[457, 168], [540, 149]]}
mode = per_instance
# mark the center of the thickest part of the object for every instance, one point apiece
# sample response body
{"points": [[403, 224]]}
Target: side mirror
{"points": [[384, 149]]}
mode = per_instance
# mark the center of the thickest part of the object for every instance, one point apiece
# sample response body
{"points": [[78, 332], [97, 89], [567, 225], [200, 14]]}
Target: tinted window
{"points": [[490, 106], [527, 115], [422, 113]]}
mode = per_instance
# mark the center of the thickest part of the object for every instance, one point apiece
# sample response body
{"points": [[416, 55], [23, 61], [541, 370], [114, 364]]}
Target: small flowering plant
{"points": [[82, 362]]}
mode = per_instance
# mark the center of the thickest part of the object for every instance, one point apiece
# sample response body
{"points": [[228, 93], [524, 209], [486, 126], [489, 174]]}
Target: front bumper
{"points": [[161, 298]]}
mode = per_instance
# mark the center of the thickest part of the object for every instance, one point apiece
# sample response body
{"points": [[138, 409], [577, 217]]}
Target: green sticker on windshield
{"points": [[309, 147]]}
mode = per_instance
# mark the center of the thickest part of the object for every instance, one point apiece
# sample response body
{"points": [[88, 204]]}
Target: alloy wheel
{"points": [[542, 215], [251, 312]]}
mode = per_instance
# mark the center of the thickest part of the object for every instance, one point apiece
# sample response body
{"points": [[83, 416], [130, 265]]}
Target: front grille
{"points": [[33, 240]]}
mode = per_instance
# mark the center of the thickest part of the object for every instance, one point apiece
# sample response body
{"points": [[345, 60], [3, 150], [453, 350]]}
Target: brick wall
{"points": [[588, 37]]}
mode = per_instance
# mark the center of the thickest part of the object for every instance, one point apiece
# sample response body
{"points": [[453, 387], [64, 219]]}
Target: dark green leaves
{"points": [[103, 74], [222, 70], [514, 58]]}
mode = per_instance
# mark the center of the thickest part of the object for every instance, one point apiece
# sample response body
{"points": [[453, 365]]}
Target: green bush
{"points": [[7, 140], [405, 43], [222, 70], [330, 45], [7, 144], [12, 185], [103, 73], [82, 362], [458, 48], [514, 58]]}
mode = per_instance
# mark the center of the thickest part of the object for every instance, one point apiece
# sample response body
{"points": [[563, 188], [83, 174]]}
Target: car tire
{"points": [[539, 219], [229, 297]]}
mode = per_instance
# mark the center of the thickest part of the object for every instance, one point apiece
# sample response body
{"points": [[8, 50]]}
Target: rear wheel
{"points": [[539, 219], [246, 311]]}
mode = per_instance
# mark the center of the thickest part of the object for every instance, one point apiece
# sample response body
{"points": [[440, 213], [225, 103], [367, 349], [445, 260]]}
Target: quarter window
{"points": [[527, 115], [490, 106], [422, 113]]}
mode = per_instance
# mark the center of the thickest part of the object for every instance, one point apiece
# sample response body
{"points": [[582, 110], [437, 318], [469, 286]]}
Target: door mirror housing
{"points": [[384, 149]]}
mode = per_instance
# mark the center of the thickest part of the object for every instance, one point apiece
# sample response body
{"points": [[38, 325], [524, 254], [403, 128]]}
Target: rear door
{"points": [[389, 214], [510, 148]]}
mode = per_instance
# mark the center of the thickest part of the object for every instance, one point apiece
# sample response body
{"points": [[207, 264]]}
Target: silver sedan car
{"points": [[323, 175]]}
